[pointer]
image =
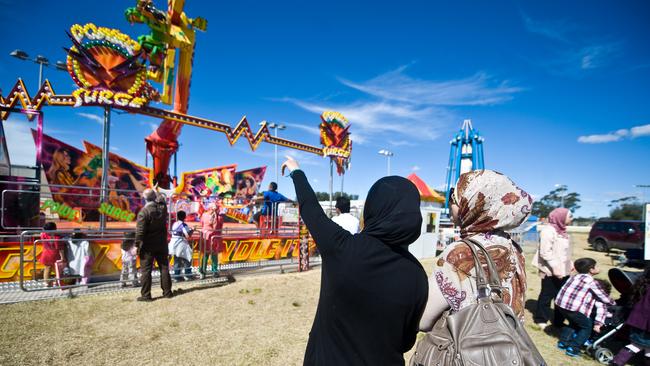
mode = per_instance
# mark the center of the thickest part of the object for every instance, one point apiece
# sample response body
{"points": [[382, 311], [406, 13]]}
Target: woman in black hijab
{"points": [[373, 291]]}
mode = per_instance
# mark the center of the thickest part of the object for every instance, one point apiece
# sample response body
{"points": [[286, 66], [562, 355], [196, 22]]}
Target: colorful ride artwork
{"points": [[238, 250], [112, 71]]}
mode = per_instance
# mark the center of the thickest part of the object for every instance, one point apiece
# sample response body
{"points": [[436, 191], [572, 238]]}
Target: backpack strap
{"points": [[486, 285]]}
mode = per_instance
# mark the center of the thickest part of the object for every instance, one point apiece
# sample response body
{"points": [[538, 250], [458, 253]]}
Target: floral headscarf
{"points": [[489, 204], [557, 219], [489, 201]]}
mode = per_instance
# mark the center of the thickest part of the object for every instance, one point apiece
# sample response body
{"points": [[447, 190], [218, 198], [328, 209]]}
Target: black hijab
{"points": [[392, 211]]}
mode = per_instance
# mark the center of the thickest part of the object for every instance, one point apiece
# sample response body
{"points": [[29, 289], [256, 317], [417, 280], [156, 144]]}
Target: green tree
{"points": [[559, 197], [626, 208], [325, 196]]}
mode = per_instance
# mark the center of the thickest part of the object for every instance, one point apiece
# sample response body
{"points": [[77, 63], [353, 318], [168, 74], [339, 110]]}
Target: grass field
{"points": [[263, 320]]}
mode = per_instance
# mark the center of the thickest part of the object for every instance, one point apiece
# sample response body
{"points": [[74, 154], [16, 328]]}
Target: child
{"points": [[179, 247], [639, 321], [129, 257], [53, 250], [575, 302], [211, 229], [80, 256]]}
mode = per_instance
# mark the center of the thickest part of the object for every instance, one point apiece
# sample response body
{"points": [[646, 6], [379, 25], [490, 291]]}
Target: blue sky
{"points": [[558, 89]]}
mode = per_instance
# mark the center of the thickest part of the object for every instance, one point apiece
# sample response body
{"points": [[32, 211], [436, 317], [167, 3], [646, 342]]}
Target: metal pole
{"points": [[331, 184], [175, 163], [105, 164], [388, 166], [39, 145], [40, 74], [275, 148], [146, 156], [342, 180]]}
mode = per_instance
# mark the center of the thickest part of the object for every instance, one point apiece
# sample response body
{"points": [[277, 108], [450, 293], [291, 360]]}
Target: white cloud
{"points": [[639, 131], [397, 105], [92, 117], [312, 130], [415, 168], [634, 132], [370, 118], [554, 30], [395, 85], [114, 148], [571, 55], [151, 125], [398, 143], [595, 56], [20, 142]]}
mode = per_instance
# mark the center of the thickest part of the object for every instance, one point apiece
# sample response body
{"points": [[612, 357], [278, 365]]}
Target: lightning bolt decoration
{"points": [[19, 96]]}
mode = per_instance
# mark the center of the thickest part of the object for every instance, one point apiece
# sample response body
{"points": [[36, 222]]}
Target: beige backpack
{"points": [[483, 334]]}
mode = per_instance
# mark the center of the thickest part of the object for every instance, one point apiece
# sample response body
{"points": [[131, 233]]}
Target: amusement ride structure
{"points": [[112, 71], [466, 154]]}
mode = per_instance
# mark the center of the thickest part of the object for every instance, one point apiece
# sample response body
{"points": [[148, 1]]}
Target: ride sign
{"points": [[105, 64]]}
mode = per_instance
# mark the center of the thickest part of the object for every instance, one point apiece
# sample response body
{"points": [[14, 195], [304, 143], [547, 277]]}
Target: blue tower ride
{"points": [[466, 154]]}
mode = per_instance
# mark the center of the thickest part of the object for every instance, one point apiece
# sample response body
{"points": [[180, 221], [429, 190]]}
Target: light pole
{"points": [[563, 191], [387, 154], [275, 127], [40, 60]]}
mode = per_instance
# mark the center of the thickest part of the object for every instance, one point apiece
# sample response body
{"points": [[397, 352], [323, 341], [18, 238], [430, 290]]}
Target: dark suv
{"points": [[608, 234]]}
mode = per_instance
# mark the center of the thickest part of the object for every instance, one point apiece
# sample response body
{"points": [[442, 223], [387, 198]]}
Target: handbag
{"points": [[486, 333]]}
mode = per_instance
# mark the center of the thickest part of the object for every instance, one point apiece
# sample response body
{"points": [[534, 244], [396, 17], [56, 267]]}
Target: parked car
{"points": [[609, 234]]}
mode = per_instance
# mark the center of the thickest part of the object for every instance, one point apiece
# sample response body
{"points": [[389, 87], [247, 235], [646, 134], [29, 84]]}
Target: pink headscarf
{"points": [[557, 219]]}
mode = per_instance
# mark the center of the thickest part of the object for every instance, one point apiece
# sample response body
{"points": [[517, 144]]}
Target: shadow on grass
{"points": [[181, 291]]}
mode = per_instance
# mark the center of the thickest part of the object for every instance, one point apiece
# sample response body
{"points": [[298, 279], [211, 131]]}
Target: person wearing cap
{"points": [[343, 217]]}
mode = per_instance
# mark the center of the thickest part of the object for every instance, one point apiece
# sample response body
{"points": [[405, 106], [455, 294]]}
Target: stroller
{"points": [[602, 347]]}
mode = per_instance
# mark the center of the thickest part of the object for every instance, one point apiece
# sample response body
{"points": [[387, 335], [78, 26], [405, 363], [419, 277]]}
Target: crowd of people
{"points": [[372, 288], [371, 276], [151, 245]]}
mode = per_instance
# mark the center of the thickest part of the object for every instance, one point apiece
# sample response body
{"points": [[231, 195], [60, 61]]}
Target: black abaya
{"points": [[373, 291]]}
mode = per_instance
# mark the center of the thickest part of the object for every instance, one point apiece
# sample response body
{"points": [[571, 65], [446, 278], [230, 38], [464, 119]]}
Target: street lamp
{"points": [[563, 192], [275, 127], [40, 60], [387, 154]]}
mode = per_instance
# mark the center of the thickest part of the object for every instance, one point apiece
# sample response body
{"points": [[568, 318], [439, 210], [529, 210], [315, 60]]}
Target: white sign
{"points": [[646, 217]]}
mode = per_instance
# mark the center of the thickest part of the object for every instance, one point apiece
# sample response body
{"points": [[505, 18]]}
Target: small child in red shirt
{"points": [[53, 250]]}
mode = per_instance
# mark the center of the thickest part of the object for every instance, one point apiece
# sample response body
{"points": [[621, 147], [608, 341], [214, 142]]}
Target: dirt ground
{"points": [[262, 320]]}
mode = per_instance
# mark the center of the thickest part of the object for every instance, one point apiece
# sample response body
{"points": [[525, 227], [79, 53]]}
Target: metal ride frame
{"points": [[19, 97]]}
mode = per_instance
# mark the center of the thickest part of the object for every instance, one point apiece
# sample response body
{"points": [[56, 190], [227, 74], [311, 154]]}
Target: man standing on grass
{"points": [[151, 240]]}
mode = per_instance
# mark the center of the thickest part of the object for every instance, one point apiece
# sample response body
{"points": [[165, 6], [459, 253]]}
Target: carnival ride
{"points": [[111, 71], [466, 154]]}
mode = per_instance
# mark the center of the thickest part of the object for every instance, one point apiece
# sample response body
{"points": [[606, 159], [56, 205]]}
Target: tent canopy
{"points": [[426, 193]]}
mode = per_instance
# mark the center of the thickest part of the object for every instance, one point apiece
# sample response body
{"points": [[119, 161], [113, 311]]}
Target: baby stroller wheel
{"points": [[604, 355]]}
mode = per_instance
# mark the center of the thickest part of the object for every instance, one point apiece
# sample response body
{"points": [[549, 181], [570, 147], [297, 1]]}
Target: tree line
{"points": [[626, 208]]}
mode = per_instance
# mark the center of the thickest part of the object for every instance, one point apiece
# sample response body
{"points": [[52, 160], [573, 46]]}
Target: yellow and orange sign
{"points": [[335, 138], [105, 64]]}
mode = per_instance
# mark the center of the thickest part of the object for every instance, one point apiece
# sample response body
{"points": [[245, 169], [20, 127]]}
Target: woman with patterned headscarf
{"points": [[484, 204], [553, 260]]}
